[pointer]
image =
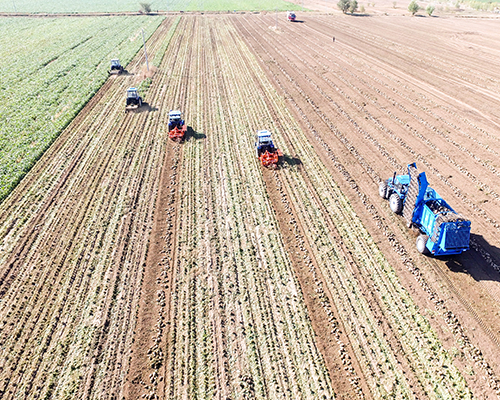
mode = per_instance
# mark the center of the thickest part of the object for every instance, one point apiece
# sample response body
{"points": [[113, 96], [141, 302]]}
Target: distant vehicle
{"points": [[134, 101], [443, 231], [116, 67], [265, 150], [290, 16], [176, 126]]}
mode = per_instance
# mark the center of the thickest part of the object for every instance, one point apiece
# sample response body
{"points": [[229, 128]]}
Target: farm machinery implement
{"points": [[134, 101], [176, 126], [116, 67], [443, 231], [267, 153]]}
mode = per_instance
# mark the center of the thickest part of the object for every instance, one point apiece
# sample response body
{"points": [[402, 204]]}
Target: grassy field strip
{"points": [[230, 257], [46, 82], [396, 303], [59, 6], [70, 339]]}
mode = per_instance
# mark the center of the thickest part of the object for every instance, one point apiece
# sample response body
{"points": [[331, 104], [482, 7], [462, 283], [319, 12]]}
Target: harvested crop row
{"points": [[237, 324], [363, 150], [329, 205], [391, 144], [73, 250], [290, 78]]}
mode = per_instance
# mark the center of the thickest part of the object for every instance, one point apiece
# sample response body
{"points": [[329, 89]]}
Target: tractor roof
{"points": [[132, 89], [403, 179], [115, 60], [174, 113], [263, 133]]}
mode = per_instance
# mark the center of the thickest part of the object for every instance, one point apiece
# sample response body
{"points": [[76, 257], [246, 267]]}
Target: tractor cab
{"points": [[116, 67], [265, 150], [174, 119], [264, 142], [132, 93], [290, 16], [176, 126], [400, 184], [134, 101]]}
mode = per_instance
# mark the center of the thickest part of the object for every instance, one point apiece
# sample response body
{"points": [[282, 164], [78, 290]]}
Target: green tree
{"points": [[145, 7], [353, 6], [430, 9], [344, 5], [413, 7]]}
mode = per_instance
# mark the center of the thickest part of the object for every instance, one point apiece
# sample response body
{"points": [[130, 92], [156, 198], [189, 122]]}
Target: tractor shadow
{"points": [[475, 264], [292, 161], [124, 73], [191, 133]]}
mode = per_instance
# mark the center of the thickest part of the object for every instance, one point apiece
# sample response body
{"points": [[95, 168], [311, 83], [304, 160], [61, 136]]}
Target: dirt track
{"points": [[182, 270]]}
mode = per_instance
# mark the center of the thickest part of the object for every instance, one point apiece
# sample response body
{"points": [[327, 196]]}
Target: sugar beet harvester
{"points": [[176, 126], [134, 101], [266, 152], [443, 231]]}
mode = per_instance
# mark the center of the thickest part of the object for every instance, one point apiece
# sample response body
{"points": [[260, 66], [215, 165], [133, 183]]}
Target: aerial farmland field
{"points": [[133, 266], [49, 74]]}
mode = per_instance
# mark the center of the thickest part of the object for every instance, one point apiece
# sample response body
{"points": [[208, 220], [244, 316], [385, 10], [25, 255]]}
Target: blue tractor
{"points": [[443, 231]]}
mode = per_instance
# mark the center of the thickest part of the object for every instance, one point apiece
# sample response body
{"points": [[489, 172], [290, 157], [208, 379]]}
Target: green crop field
{"points": [[50, 69], [60, 6]]}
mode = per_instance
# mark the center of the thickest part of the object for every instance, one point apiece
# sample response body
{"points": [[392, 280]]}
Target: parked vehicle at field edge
{"points": [[443, 231]]}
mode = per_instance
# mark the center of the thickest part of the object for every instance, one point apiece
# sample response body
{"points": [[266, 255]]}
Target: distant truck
{"points": [[443, 231], [290, 16]]}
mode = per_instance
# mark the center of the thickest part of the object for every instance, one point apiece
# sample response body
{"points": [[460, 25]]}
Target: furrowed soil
{"points": [[134, 267]]}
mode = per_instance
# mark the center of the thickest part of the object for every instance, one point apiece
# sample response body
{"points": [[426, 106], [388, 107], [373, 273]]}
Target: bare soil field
{"points": [[135, 267], [389, 91]]}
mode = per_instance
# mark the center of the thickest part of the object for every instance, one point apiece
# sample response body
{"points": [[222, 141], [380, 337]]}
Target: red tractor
{"points": [[267, 153], [290, 16], [176, 126]]}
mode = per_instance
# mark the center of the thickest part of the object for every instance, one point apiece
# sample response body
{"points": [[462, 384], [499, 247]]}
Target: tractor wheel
{"points": [[395, 203], [383, 190], [421, 244], [140, 102]]}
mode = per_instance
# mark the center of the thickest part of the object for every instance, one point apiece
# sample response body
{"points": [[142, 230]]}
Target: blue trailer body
{"points": [[443, 231]]}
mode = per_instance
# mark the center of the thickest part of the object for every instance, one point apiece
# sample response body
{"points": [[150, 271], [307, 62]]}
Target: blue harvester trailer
{"points": [[443, 231]]}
